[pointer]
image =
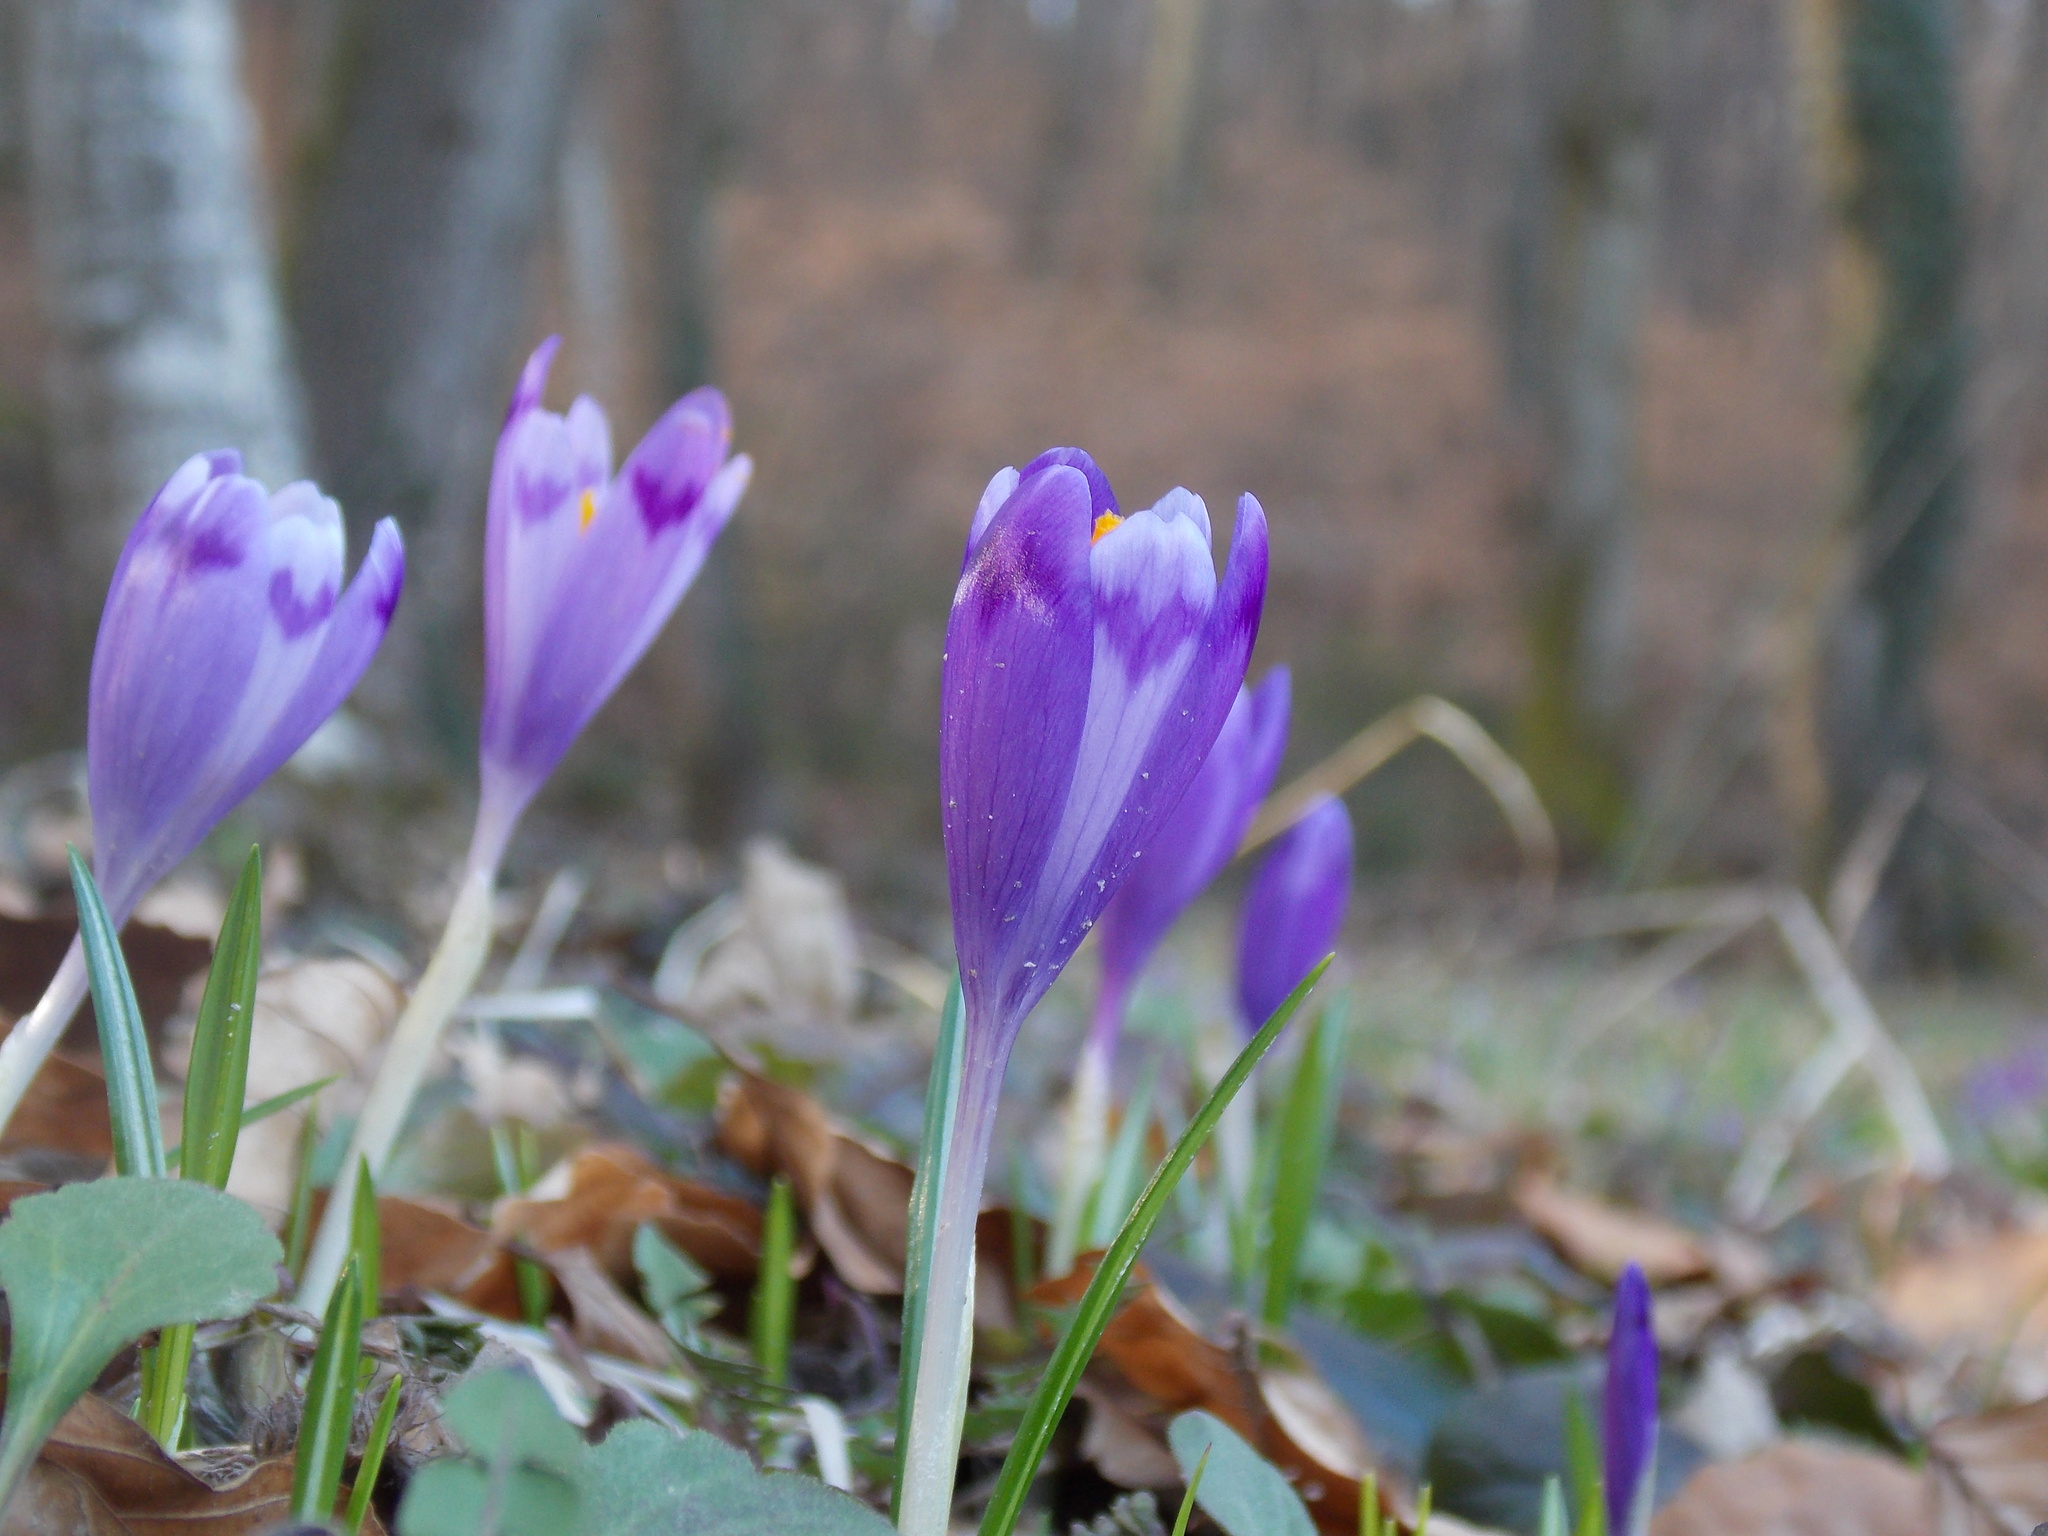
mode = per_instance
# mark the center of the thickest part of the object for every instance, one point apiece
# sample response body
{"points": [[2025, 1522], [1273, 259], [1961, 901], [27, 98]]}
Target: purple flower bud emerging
{"points": [[581, 570], [1628, 1409], [1090, 662], [226, 640], [1198, 839], [1293, 909]]}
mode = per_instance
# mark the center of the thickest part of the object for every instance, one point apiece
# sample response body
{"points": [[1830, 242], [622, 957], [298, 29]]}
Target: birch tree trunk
{"points": [[412, 292], [1580, 262], [166, 335], [1882, 73], [1176, 120]]}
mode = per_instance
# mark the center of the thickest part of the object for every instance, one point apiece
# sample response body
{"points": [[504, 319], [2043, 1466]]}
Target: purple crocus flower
{"points": [[1628, 1409], [1091, 659], [1293, 909], [1197, 840], [227, 638], [582, 568]]}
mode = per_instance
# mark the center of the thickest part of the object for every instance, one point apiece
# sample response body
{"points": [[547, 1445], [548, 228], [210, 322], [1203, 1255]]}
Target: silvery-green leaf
{"points": [[1241, 1491]]}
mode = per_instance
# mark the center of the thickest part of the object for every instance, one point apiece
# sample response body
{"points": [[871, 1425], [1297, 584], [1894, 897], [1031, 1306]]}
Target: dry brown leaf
{"points": [[1160, 1352], [606, 1319], [428, 1245], [1799, 1488], [102, 1475], [64, 1110], [600, 1197], [855, 1198], [1601, 1239], [1986, 1294], [1990, 1472]]}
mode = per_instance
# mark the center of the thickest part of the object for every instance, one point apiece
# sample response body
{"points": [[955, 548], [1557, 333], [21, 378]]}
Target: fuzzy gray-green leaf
{"points": [[91, 1267], [1241, 1491]]}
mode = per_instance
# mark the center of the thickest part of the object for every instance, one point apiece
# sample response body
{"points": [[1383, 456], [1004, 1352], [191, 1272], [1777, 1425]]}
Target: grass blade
{"points": [[1369, 1505], [299, 1229], [262, 1109], [774, 1306], [1582, 1463], [941, 1108], [124, 1047], [219, 1073], [1552, 1520], [373, 1459], [330, 1405], [366, 1245], [1098, 1304], [517, 1157], [1301, 1147], [1187, 1500]]}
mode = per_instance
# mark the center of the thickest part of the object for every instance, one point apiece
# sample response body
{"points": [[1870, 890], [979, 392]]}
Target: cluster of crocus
{"points": [[1628, 1409], [228, 637], [582, 568], [1191, 849], [1091, 659]]}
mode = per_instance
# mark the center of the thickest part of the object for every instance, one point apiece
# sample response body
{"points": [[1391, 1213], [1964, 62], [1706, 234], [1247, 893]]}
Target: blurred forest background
{"points": [[1660, 380]]}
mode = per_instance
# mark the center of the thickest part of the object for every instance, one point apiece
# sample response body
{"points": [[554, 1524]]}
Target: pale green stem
{"points": [[939, 1408], [1081, 1155], [29, 1043], [465, 943]]}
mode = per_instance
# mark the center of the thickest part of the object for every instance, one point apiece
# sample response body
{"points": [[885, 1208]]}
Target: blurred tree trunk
{"points": [[1176, 121], [1579, 266], [422, 209], [165, 331], [1073, 45], [706, 51], [1882, 73]]}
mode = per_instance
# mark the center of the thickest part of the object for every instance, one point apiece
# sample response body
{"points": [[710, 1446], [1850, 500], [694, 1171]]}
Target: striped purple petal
{"points": [[227, 638]]}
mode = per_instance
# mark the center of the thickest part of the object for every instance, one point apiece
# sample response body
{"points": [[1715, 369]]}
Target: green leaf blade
{"points": [[219, 1072], [647, 1481], [330, 1404], [124, 1044]]}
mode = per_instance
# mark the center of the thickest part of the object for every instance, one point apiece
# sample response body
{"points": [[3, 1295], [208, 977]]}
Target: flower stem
{"points": [[939, 1407], [27, 1045], [465, 944]]}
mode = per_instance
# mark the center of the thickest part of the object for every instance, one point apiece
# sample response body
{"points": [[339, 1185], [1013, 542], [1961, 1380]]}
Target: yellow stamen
{"points": [[1103, 524], [586, 509]]}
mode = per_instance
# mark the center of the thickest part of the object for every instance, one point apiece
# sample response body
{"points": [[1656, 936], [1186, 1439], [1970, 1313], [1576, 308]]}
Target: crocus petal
{"points": [[1015, 694], [1001, 487], [1198, 839], [582, 570], [1628, 1408], [1293, 909], [226, 640]]}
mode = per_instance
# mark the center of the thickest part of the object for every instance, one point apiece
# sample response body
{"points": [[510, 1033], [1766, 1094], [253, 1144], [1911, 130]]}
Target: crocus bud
{"points": [[1090, 661], [1628, 1409], [1293, 909], [227, 638]]}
